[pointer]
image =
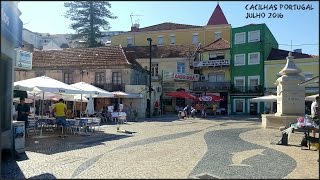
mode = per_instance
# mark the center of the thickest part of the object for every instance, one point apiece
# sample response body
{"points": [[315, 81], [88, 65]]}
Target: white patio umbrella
{"points": [[121, 94], [95, 92], [90, 107], [46, 84], [312, 97], [268, 98]]}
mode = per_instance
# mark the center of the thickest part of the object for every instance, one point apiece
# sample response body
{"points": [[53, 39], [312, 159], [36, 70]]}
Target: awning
{"points": [[181, 94], [312, 98], [269, 98]]}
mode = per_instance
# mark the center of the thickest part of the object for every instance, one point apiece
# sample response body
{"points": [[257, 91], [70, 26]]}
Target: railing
{"points": [[211, 86], [250, 90], [214, 63]]}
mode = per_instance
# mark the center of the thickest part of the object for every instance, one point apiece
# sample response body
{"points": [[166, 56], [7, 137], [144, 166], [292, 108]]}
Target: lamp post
{"points": [[149, 103]]}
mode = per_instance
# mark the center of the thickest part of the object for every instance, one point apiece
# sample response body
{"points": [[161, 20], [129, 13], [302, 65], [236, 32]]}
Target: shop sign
{"points": [[24, 60], [205, 98], [187, 77], [214, 63], [11, 25]]}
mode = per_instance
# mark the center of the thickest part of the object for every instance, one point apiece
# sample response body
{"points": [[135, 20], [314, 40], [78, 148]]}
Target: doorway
{"points": [[253, 108]]}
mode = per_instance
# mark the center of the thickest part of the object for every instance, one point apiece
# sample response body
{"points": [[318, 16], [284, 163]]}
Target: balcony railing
{"points": [[111, 86], [220, 86], [250, 90], [213, 63]]}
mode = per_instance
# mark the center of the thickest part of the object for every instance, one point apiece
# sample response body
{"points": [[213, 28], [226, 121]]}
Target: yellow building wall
{"points": [[182, 36], [275, 66]]}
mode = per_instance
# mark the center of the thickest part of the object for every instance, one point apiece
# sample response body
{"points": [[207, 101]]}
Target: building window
{"points": [[213, 56], [99, 78], [195, 38], [129, 41], [180, 67], [154, 69], [239, 105], [67, 78], [160, 40], [217, 35], [240, 38], [254, 36], [116, 78], [136, 78], [254, 58], [239, 59], [172, 39], [253, 83], [239, 83], [39, 73], [216, 77]]}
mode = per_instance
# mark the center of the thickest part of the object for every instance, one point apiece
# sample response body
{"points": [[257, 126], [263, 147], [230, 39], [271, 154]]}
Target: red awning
{"points": [[212, 98], [181, 94]]}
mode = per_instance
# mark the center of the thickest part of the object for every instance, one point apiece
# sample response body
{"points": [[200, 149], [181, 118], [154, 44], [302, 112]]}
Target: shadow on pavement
{"points": [[44, 176], [54, 144], [11, 170]]}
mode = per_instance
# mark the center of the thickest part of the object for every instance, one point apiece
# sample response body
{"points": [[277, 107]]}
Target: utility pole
{"points": [[150, 89]]}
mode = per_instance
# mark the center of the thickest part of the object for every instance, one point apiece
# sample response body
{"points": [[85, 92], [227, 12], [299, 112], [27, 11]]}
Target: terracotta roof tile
{"points": [[171, 51], [100, 57], [217, 45], [167, 26], [217, 17], [278, 54]]}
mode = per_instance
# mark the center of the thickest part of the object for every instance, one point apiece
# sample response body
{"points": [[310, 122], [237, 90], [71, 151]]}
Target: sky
{"points": [[297, 27]]}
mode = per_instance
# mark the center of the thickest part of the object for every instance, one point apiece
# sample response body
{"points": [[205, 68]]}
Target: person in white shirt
{"points": [[315, 114], [14, 112]]}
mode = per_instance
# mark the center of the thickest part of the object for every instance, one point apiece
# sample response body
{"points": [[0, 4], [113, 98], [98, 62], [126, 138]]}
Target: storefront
{"points": [[11, 39]]}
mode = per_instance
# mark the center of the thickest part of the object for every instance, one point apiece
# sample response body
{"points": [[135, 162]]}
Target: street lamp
{"points": [[149, 103]]}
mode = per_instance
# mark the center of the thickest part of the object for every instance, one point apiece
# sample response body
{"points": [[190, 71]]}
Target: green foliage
{"points": [[89, 17]]}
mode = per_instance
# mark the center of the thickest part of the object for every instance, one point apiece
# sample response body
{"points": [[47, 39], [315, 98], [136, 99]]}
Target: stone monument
{"points": [[290, 97]]}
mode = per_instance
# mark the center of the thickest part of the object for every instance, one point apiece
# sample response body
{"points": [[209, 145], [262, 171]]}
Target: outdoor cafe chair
{"points": [[96, 122], [32, 127]]}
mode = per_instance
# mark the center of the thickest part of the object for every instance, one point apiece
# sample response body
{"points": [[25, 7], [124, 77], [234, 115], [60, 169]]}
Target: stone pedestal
{"points": [[272, 121], [290, 97]]}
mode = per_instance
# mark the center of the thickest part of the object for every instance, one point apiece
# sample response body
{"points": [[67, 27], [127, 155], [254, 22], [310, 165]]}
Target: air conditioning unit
{"points": [[204, 78]]}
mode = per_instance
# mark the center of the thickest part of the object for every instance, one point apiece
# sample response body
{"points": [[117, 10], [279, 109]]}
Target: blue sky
{"points": [[299, 26]]}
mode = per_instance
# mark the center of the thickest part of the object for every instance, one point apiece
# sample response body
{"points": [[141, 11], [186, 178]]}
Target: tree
{"points": [[89, 17]]}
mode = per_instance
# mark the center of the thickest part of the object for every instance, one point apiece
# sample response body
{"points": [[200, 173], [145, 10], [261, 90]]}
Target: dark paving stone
{"points": [[222, 144]]}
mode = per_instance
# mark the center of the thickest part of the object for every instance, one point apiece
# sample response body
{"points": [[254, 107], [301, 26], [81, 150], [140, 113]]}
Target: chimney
{"points": [[135, 27]]}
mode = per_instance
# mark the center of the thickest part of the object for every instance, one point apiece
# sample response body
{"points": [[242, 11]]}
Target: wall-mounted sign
{"points": [[187, 77], [214, 63], [11, 25], [23, 60], [180, 76]]}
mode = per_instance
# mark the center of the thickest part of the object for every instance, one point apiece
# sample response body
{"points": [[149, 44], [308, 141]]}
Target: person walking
{"points": [[198, 108], [23, 111], [60, 110], [214, 108]]}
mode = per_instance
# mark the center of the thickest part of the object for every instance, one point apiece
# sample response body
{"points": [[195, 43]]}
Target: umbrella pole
{"points": [[42, 112], [34, 106], [81, 107]]}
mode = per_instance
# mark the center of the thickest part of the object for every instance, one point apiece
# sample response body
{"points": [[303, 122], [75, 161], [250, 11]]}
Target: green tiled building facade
{"points": [[251, 45]]}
